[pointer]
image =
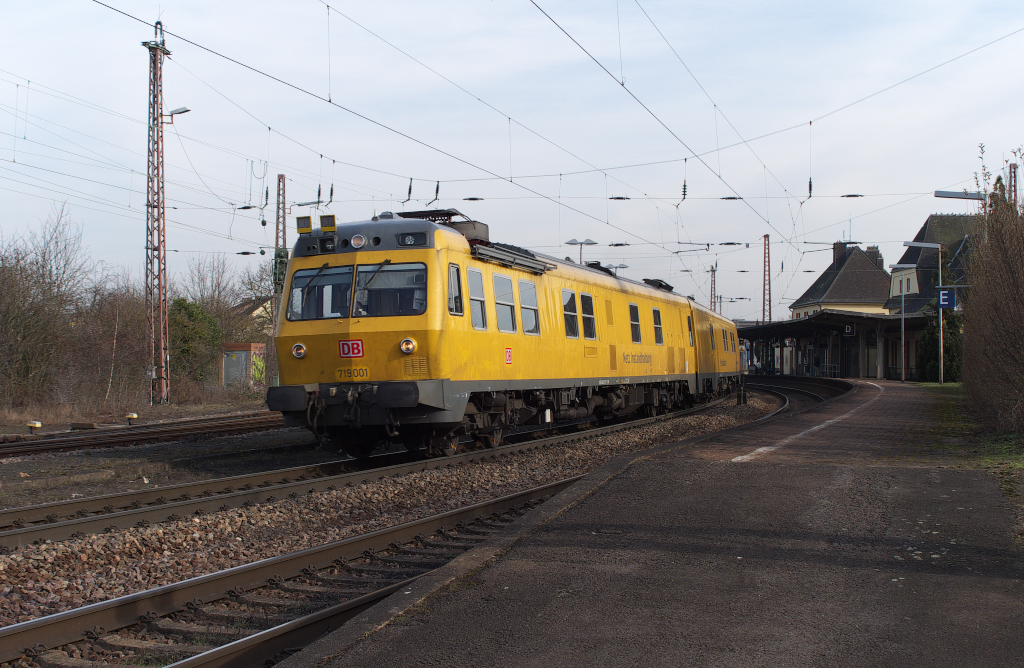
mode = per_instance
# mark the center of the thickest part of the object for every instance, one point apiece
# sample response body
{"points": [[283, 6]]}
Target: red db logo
{"points": [[508, 356], [350, 348]]}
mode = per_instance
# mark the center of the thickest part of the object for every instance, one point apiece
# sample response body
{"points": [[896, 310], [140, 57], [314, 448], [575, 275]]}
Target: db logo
{"points": [[350, 348], [508, 356]]}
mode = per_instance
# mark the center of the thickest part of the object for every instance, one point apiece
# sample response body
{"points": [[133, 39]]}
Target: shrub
{"points": [[993, 359]]}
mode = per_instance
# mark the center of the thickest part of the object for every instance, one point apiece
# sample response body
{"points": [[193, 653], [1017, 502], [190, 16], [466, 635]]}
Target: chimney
{"points": [[838, 255], [876, 256]]}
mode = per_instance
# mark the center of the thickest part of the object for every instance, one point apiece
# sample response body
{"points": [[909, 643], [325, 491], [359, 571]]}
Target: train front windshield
{"points": [[379, 290], [320, 293], [390, 289]]}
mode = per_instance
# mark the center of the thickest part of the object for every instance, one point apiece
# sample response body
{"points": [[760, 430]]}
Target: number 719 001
{"points": [[354, 373]]}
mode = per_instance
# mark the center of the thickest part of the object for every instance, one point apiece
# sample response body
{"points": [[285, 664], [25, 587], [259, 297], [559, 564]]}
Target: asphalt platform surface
{"points": [[824, 538]]}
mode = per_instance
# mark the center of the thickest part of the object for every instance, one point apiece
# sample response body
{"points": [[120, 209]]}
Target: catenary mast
{"points": [[156, 227]]}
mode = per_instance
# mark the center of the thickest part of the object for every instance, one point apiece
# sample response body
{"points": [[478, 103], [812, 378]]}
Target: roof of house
{"points": [[854, 277], [250, 305], [950, 230]]}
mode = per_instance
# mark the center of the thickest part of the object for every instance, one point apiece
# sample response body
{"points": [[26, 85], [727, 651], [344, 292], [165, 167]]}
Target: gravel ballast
{"points": [[45, 579]]}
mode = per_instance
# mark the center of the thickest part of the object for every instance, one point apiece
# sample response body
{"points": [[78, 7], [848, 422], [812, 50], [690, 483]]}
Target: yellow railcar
{"points": [[416, 328]]}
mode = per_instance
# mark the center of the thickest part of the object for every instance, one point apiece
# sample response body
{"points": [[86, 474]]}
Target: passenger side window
{"points": [[477, 310], [454, 290], [528, 307], [657, 327], [689, 324], [634, 322], [589, 321], [712, 328], [504, 304], [572, 327]]}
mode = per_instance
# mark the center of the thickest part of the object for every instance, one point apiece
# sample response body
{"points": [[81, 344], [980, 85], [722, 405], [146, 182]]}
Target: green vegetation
{"points": [[961, 433], [195, 339], [928, 350]]}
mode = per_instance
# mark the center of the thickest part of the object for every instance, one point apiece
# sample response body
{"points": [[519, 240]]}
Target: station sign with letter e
{"points": [[947, 298]]}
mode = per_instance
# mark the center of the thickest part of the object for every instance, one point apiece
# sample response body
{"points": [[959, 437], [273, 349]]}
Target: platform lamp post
{"points": [[903, 321], [938, 247], [581, 244]]}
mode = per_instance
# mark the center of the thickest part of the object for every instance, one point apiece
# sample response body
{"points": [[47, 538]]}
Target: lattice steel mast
{"points": [[156, 228], [280, 249], [1011, 188], [766, 295], [713, 300]]}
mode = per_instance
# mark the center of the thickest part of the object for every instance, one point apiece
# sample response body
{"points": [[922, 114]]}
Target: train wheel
{"points": [[491, 440], [444, 446]]}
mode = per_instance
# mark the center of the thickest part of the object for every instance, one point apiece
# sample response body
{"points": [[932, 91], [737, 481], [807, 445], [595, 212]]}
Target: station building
{"points": [[848, 323]]}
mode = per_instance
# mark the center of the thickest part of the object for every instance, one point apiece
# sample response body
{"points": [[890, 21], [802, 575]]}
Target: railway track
{"points": [[62, 520], [145, 433], [241, 616]]}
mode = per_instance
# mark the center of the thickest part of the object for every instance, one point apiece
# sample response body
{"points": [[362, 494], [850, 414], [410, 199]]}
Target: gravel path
{"points": [[45, 579]]}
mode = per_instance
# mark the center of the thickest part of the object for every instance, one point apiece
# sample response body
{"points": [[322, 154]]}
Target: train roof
{"points": [[384, 230]]}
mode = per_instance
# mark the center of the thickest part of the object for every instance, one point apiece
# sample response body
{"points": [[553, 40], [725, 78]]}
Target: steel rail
{"points": [[778, 411], [108, 503], [147, 433], [73, 625], [263, 489], [798, 390]]}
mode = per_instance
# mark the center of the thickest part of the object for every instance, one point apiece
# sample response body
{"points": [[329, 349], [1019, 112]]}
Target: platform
{"points": [[825, 538]]}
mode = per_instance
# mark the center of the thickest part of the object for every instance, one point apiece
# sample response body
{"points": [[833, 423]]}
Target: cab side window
{"points": [[658, 338], [712, 328], [528, 307], [732, 338], [725, 341], [572, 326], [477, 309], [454, 290], [589, 321], [634, 322], [689, 324]]}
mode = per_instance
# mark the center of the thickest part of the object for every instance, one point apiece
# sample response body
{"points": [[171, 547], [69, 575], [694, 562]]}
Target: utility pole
{"points": [[1011, 185], [280, 266], [766, 293], [713, 270], [156, 228], [281, 231], [280, 249]]}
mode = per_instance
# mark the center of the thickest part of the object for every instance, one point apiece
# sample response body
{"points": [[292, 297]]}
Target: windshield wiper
{"points": [[310, 282], [366, 286]]}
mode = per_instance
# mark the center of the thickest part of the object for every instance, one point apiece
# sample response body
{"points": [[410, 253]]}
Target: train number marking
{"points": [[508, 356], [354, 373], [353, 348]]}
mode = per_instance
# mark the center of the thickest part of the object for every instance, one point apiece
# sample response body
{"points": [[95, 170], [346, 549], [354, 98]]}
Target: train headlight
{"points": [[358, 241], [299, 350], [408, 346]]}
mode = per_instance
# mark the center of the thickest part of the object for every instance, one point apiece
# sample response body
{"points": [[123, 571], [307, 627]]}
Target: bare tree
{"points": [[44, 277], [994, 312]]}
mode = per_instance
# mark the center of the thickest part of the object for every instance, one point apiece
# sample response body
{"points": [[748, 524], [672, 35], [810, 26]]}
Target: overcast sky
{"points": [[532, 105]]}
